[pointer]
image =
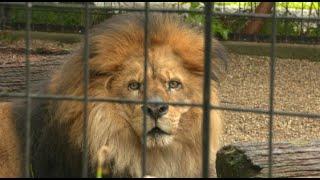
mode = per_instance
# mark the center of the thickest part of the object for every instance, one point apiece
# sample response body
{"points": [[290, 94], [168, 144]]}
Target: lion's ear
{"points": [[107, 77], [219, 62], [108, 82]]}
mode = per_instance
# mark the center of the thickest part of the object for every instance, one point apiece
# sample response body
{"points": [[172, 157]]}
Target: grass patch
{"points": [[8, 37]]}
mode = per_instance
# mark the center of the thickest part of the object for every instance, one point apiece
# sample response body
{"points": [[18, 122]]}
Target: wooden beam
{"points": [[251, 160]]}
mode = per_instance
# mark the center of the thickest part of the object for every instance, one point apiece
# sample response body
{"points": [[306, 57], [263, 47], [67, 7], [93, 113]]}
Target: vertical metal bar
{"points": [[111, 6], [206, 91], [272, 77], [146, 36], [255, 36], [286, 22], [119, 6], [85, 92], [308, 23], [244, 6], [318, 23], [301, 24], [28, 98]]}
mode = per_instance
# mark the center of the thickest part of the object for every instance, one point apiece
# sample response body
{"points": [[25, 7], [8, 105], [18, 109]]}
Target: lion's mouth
{"points": [[156, 131]]}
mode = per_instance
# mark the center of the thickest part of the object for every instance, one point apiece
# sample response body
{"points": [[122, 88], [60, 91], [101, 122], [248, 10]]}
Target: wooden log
{"points": [[251, 160]]}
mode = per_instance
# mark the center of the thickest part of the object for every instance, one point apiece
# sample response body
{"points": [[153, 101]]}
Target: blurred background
{"points": [[299, 26]]}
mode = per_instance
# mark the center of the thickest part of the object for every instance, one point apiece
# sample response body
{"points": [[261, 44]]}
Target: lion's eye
{"points": [[134, 85], [173, 84]]}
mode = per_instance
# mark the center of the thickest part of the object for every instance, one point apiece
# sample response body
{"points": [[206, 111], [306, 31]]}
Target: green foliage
{"points": [[284, 27], [291, 5], [223, 26], [217, 26], [291, 27], [47, 15]]}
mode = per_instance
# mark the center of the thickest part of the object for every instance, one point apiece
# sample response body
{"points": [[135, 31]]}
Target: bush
{"points": [[55, 16], [217, 26]]}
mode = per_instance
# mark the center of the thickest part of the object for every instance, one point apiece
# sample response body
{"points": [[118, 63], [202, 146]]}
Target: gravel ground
{"points": [[297, 89]]}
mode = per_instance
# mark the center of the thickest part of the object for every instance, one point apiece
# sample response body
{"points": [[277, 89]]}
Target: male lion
{"points": [[175, 74]]}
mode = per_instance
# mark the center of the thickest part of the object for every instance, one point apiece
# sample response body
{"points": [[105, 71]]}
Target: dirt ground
{"points": [[297, 89], [44, 56]]}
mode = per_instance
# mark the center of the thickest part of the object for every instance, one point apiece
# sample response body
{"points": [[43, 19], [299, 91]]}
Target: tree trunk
{"points": [[251, 160], [253, 26]]}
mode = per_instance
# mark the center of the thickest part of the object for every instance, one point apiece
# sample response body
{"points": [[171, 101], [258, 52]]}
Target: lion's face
{"points": [[166, 82], [175, 74]]}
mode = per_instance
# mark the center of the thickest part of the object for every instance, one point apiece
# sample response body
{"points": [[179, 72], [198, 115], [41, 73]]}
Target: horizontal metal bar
{"points": [[297, 114], [13, 95], [123, 101], [249, 15]]}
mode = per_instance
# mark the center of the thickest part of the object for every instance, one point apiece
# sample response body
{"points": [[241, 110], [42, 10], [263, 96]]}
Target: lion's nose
{"points": [[156, 111]]}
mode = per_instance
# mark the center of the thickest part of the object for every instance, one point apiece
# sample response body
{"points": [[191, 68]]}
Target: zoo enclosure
{"points": [[208, 14]]}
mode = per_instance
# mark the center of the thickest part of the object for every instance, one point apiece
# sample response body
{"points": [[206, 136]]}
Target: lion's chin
{"points": [[159, 140]]}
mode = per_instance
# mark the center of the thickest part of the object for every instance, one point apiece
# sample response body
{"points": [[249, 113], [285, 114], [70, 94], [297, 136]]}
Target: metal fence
{"points": [[206, 106]]}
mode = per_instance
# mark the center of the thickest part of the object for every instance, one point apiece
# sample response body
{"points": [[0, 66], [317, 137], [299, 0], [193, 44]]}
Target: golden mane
{"points": [[124, 35]]}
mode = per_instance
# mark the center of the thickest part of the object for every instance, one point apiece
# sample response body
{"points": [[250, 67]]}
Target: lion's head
{"points": [[175, 68]]}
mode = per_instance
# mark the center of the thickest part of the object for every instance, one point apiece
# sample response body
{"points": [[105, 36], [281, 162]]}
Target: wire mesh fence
{"points": [[208, 14], [297, 22]]}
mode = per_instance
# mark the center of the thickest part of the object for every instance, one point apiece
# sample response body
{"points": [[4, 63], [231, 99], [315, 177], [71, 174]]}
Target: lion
{"points": [[9, 153], [175, 73]]}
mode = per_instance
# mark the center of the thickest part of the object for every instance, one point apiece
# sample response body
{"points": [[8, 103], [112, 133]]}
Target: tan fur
{"points": [[9, 153], [176, 51]]}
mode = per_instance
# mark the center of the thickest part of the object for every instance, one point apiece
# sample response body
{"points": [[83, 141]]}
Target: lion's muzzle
{"points": [[156, 111]]}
